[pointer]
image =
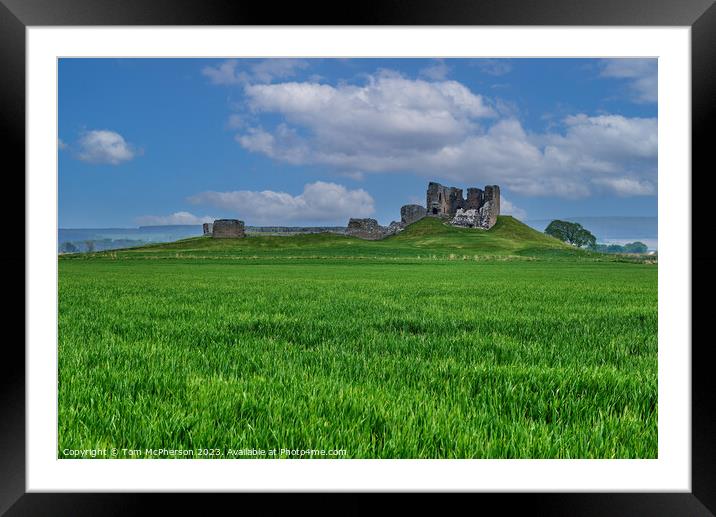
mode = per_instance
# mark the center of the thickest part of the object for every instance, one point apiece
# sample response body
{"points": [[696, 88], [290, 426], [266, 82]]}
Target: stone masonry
{"points": [[443, 201], [228, 229], [208, 228], [479, 210], [411, 213]]}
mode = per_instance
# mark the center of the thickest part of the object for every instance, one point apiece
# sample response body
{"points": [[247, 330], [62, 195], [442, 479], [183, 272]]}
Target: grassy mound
{"points": [[427, 238], [507, 236]]}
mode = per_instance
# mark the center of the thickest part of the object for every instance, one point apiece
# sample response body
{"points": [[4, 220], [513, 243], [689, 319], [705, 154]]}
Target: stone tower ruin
{"points": [[228, 229], [443, 201], [479, 210]]}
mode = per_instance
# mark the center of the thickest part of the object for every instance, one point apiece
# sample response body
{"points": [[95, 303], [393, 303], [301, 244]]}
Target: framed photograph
{"points": [[411, 250]]}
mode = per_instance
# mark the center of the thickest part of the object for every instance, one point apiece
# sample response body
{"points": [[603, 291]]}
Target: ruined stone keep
{"points": [[208, 228], [479, 210], [228, 229], [445, 201]]}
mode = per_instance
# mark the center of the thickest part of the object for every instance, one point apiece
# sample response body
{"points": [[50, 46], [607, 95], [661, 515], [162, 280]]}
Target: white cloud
{"points": [[438, 71], [354, 175], [175, 218], [225, 73], [613, 136], [641, 75], [61, 145], [254, 71], [557, 163], [390, 109], [362, 127], [627, 186], [443, 130], [270, 69], [450, 146], [104, 146], [319, 202], [495, 67], [508, 208]]}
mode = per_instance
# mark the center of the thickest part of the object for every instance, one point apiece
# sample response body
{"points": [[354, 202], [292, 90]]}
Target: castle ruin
{"points": [[446, 201], [479, 210], [228, 229]]}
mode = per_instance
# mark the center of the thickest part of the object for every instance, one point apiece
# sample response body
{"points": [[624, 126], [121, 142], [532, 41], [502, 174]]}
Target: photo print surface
{"points": [[357, 258]]}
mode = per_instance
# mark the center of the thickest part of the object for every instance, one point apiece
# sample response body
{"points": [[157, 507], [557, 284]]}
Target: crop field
{"points": [[425, 345]]}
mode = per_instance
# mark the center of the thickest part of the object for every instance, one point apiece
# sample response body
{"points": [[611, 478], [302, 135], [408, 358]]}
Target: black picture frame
{"points": [[700, 15]]}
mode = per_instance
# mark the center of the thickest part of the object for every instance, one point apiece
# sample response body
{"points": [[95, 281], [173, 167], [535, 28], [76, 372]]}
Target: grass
{"points": [[384, 354]]}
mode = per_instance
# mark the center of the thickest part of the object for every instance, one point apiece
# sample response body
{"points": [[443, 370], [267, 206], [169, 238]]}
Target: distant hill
{"points": [[143, 233], [101, 239]]}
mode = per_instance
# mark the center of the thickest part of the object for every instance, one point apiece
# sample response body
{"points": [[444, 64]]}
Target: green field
{"points": [[436, 343]]}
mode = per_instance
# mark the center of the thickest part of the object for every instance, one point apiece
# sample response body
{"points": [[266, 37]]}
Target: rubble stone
{"points": [[368, 229]]}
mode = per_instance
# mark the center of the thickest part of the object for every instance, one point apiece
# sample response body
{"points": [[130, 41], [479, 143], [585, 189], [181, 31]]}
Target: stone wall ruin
{"points": [[367, 229], [411, 213], [228, 229]]}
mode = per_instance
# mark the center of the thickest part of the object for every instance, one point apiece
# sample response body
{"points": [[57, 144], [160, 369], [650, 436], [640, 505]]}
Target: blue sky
{"points": [[316, 141]]}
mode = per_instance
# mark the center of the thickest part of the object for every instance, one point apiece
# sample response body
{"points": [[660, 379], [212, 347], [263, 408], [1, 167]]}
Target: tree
{"points": [[68, 247], [572, 233], [635, 247]]}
